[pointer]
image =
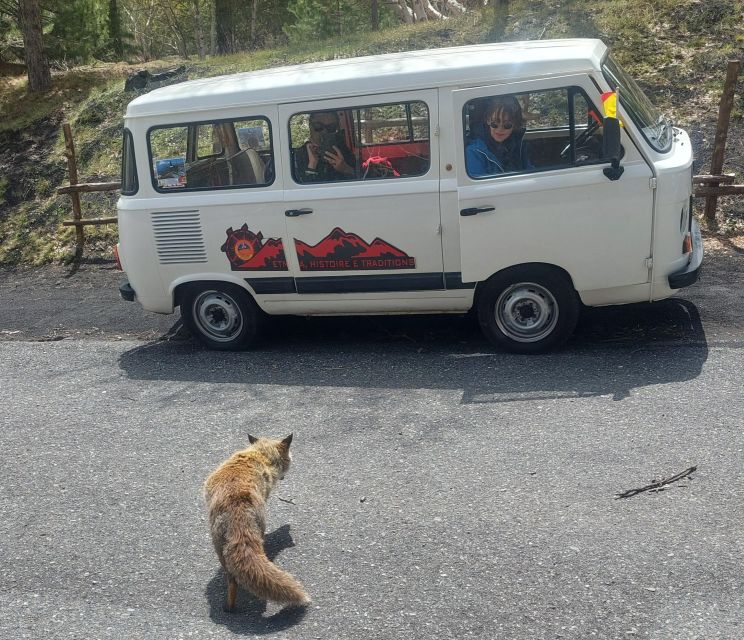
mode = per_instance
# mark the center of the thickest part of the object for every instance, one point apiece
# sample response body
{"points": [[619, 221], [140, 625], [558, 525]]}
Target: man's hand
{"points": [[336, 159], [312, 155]]}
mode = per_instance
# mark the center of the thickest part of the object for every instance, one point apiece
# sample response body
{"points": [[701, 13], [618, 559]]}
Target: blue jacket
{"points": [[481, 160]]}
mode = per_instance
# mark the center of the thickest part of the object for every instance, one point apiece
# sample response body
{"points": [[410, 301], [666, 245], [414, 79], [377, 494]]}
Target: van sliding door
{"points": [[373, 225]]}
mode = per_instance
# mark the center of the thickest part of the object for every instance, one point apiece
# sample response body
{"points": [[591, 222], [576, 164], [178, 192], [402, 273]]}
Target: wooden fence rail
{"points": [[724, 190], [89, 187], [726, 178]]}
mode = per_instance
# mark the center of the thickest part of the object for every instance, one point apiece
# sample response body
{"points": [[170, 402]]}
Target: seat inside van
{"points": [[207, 172], [230, 166]]}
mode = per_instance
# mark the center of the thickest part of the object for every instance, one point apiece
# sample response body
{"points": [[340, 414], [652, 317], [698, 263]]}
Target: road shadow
{"points": [[79, 262], [249, 617], [613, 351]]}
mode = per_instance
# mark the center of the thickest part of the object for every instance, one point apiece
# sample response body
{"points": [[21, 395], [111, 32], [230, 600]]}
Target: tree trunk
{"points": [[403, 10], [183, 49], [39, 75], [430, 11], [375, 11], [224, 24], [419, 13], [213, 28], [453, 6], [199, 31], [254, 15], [500, 21], [114, 29]]}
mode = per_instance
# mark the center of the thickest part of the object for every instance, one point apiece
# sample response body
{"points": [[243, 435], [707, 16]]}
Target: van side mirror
{"points": [[611, 148]]}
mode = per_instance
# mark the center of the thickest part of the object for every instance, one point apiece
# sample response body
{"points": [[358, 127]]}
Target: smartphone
{"points": [[328, 141]]}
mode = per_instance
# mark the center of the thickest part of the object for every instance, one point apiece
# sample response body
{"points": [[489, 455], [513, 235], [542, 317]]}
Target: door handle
{"points": [[294, 213], [475, 210]]}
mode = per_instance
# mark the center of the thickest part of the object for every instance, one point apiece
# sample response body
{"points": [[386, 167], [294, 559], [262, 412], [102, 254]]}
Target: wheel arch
{"points": [[180, 285], [479, 286]]}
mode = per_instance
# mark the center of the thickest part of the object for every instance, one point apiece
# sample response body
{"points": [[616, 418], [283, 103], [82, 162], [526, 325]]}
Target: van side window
{"points": [[360, 143], [212, 155], [129, 182], [537, 131]]}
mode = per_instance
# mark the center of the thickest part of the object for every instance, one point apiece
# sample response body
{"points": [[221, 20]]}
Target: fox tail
{"points": [[256, 573]]}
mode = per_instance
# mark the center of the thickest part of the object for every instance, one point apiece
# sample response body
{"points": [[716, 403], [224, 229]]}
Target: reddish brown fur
{"points": [[236, 494]]}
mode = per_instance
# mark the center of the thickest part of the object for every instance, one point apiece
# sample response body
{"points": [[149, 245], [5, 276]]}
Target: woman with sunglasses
{"points": [[501, 149], [325, 156]]}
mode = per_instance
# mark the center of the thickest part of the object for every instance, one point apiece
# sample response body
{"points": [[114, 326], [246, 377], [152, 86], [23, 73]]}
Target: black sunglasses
{"points": [[498, 125], [319, 126]]}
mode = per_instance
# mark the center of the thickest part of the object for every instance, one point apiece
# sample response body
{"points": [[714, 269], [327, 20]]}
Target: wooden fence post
{"points": [[76, 211], [724, 114], [74, 189]]}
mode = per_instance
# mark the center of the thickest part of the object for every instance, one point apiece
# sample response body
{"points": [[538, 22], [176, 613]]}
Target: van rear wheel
{"points": [[221, 315], [528, 309]]}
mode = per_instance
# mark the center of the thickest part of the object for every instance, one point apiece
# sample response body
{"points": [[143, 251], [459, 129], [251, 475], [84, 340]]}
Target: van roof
{"points": [[468, 65]]}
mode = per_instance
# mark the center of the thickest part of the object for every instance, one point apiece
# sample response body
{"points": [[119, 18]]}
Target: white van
{"points": [[483, 177]]}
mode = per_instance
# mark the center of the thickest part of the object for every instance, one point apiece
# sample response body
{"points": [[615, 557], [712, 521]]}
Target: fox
{"points": [[236, 493]]}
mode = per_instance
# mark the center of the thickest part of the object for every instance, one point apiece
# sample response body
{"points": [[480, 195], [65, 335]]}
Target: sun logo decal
{"points": [[247, 251], [244, 250]]}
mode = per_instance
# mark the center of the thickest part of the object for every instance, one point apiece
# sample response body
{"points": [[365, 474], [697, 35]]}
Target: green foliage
{"points": [[79, 32], [321, 19], [235, 24], [8, 33]]}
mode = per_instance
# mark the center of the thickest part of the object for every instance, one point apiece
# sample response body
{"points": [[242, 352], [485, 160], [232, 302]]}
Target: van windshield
{"points": [[655, 127]]}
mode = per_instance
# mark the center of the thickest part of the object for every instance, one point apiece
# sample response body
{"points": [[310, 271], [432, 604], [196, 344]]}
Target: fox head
{"points": [[277, 451]]}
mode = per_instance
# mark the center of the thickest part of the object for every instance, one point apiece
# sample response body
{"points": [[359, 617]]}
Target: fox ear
{"points": [[252, 439], [287, 441]]}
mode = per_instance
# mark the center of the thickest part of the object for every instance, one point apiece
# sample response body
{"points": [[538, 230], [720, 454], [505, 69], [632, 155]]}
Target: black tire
{"points": [[221, 315], [528, 309]]}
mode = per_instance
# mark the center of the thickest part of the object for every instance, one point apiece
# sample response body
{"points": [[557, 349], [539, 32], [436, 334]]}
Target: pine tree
{"points": [[80, 29], [319, 19]]}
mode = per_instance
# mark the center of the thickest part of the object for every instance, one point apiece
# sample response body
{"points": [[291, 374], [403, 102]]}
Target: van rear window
{"points": [[383, 141], [212, 155]]}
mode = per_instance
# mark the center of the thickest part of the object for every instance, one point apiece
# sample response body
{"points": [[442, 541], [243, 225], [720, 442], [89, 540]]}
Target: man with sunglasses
{"points": [[501, 148], [325, 156]]}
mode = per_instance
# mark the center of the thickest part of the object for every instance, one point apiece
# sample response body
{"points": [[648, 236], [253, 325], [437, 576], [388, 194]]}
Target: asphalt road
{"points": [[439, 489]]}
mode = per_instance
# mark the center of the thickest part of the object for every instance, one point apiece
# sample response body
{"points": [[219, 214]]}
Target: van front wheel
{"points": [[221, 316], [528, 309]]}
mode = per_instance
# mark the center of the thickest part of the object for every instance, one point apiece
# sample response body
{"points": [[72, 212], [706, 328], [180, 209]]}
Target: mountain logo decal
{"points": [[247, 251], [341, 251]]}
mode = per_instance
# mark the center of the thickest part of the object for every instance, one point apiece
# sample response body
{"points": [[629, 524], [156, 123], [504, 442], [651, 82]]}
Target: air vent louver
{"points": [[178, 237]]}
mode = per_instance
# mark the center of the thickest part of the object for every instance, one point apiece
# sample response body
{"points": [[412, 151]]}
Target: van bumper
{"points": [[126, 292], [691, 272]]}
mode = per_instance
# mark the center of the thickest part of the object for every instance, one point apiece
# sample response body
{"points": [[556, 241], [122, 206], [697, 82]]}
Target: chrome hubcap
{"points": [[218, 316], [526, 312]]}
